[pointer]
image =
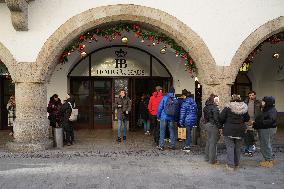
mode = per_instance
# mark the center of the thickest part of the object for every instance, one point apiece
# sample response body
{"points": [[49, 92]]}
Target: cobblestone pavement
{"points": [[132, 164]]}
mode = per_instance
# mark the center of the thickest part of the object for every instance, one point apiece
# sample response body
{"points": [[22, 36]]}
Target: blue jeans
{"points": [[265, 139], [122, 124], [146, 124], [163, 126], [188, 137]]}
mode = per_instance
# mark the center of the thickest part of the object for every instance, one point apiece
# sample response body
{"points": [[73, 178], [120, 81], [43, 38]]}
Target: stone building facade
{"points": [[32, 69]]}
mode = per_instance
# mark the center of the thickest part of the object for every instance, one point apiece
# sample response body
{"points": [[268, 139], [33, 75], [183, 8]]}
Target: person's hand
{"points": [[126, 112], [158, 120]]}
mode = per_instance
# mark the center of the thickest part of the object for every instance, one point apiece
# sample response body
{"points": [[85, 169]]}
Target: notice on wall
{"points": [[121, 62]]}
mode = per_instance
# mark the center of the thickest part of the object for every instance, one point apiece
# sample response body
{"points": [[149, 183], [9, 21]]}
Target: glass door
{"points": [[102, 103]]}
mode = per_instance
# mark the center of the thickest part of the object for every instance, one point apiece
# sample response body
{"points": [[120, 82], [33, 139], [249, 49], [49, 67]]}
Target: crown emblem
{"points": [[120, 53]]}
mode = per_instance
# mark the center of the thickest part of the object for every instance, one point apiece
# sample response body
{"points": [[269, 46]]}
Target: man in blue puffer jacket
{"points": [[188, 118], [166, 119]]}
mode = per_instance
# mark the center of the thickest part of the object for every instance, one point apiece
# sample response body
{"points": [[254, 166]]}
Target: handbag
{"points": [[181, 133], [74, 113]]}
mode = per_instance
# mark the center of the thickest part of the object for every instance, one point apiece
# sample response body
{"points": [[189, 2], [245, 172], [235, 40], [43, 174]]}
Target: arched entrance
{"points": [[149, 17], [48, 59], [7, 89], [96, 79]]}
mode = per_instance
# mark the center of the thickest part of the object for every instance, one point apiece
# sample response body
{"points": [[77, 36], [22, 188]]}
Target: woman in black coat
{"points": [[234, 116], [212, 126], [266, 124]]}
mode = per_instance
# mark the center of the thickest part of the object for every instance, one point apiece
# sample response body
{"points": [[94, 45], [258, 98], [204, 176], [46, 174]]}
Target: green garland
{"points": [[276, 38], [115, 32]]}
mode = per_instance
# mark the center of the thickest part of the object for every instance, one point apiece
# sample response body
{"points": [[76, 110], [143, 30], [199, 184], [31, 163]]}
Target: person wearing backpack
{"points": [[188, 118], [167, 115]]}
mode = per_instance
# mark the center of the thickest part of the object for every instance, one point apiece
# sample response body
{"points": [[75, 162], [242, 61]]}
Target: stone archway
{"points": [[163, 22], [7, 58], [33, 136], [251, 42]]}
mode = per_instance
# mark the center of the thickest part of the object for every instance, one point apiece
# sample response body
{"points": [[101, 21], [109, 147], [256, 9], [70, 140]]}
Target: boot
{"points": [[266, 163], [118, 139]]}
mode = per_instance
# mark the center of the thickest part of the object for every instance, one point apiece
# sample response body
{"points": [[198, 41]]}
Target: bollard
{"points": [[58, 134]]}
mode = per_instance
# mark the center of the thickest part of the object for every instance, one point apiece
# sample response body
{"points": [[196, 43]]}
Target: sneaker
{"points": [[160, 148], [147, 133], [124, 137], [118, 139], [266, 164], [186, 149]]}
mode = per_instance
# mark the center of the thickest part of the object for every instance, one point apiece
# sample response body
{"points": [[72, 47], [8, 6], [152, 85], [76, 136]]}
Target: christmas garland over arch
{"points": [[114, 32]]}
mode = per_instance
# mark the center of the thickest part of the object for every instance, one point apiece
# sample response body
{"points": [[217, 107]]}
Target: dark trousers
{"points": [[233, 151], [211, 143], [155, 129], [68, 134]]}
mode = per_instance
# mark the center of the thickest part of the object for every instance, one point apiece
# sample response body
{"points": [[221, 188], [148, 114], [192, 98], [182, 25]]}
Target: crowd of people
{"points": [[239, 122]]}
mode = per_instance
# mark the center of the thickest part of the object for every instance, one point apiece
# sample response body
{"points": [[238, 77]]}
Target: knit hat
{"points": [[171, 90]]}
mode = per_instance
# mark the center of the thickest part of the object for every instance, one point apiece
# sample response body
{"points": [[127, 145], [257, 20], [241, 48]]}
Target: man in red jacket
{"points": [[153, 109]]}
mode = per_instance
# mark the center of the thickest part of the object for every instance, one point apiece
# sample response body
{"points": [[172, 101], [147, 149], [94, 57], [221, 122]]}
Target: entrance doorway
{"points": [[94, 98], [96, 79], [7, 89]]}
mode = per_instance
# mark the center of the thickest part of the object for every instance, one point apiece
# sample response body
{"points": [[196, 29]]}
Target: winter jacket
{"points": [[154, 102], [211, 114], [268, 118], [122, 104], [161, 115], [54, 110], [143, 110], [188, 113], [65, 112], [234, 117]]}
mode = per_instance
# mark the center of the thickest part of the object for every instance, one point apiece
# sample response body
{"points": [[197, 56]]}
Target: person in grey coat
{"points": [[234, 116], [123, 106], [212, 126]]}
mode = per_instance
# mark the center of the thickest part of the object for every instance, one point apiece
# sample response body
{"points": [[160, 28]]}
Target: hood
{"points": [[189, 100], [238, 107], [269, 102]]}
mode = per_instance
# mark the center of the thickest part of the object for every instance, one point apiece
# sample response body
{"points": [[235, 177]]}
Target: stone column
{"points": [[31, 124], [223, 90]]}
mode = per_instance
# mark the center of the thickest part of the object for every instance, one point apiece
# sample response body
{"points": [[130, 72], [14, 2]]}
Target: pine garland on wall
{"points": [[115, 32]]}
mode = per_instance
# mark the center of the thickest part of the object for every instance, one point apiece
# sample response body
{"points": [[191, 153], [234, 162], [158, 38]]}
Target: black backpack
{"points": [[171, 106]]}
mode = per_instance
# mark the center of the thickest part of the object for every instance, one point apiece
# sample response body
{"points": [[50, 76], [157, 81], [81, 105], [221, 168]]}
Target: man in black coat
{"points": [[266, 124]]}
